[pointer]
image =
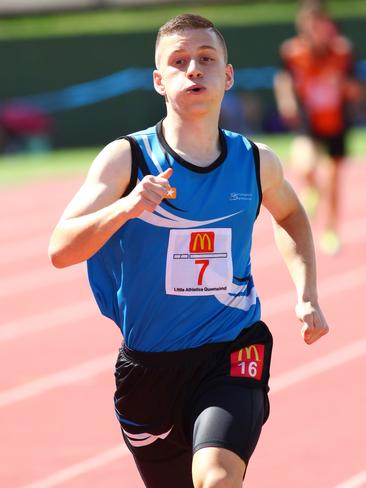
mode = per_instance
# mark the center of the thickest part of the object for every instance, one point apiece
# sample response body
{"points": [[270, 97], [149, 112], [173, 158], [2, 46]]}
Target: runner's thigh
{"points": [[230, 416], [170, 472]]}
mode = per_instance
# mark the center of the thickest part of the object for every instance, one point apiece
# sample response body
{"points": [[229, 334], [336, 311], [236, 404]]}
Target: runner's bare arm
{"points": [[97, 210], [295, 242], [286, 99]]}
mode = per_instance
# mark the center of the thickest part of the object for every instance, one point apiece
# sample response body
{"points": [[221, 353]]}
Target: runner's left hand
{"points": [[313, 320]]}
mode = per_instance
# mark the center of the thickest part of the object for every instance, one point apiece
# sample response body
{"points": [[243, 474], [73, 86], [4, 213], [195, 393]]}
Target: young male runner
{"points": [[313, 90], [165, 221]]}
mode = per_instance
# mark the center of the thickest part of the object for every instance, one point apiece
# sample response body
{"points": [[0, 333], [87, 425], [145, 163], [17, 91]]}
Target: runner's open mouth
{"points": [[195, 89]]}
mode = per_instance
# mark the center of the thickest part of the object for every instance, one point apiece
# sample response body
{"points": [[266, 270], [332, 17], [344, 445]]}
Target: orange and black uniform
{"points": [[320, 83]]}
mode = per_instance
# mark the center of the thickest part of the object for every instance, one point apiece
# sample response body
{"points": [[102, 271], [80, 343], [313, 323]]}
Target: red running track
{"points": [[57, 354]]}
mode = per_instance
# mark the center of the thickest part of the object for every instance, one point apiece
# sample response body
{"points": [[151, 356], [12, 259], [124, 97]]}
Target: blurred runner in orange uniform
{"points": [[312, 93]]}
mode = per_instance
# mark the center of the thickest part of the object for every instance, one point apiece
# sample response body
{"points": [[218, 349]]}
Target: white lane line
{"points": [[324, 363], [25, 326], [357, 481], [99, 365], [332, 285], [85, 370], [48, 276], [11, 252], [352, 231], [47, 320], [40, 278], [263, 256], [28, 227], [62, 378], [278, 383], [106, 363], [78, 469]]}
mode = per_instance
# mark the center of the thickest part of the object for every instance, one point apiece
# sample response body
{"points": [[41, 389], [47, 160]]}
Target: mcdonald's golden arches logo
{"points": [[248, 361], [248, 352], [202, 242]]}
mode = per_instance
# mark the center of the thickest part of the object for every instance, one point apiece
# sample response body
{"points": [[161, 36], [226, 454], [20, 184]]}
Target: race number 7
{"points": [[205, 263]]}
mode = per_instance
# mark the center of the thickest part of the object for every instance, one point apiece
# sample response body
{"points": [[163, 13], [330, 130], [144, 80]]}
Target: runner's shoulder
{"points": [[113, 164], [342, 45], [293, 48], [271, 170]]}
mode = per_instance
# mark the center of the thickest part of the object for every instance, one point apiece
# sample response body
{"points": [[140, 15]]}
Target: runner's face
{"points": [[318, 30], [191, 71]]}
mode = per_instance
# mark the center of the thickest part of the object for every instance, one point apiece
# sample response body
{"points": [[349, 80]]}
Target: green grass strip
{"points": [[23, 168], [149, 19], [356, 143]]}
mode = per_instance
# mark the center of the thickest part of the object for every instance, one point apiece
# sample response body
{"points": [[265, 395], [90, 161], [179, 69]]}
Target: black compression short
{"points": [[335, 145], [171, 404]]}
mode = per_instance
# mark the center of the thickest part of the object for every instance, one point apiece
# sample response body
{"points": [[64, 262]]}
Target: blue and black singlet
{"points": [[180, 277]]}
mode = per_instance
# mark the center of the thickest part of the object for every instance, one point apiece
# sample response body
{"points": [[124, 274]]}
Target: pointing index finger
{"points": [[166, 174]]}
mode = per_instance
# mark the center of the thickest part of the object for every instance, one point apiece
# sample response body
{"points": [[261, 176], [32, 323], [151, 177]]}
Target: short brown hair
{"points": [[189, 21]]}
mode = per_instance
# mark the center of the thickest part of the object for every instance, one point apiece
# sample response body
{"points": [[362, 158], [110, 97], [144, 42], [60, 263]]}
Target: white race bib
{"points": [[199, 262]]}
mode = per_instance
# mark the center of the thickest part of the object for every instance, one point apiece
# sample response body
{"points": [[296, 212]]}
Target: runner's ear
{"points": [[158, 83]]}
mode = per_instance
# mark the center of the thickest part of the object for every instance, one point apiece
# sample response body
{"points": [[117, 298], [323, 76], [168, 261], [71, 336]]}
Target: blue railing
{"points": [[131, 79]]}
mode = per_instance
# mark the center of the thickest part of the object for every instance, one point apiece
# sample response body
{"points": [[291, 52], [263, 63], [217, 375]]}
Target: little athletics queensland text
{"points": [[205, 288]]}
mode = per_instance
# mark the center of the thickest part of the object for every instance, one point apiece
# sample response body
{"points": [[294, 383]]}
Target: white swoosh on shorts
{"points": [[144, 439]]}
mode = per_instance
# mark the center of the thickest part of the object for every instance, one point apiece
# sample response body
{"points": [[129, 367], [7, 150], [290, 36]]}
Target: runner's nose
{"points": [[193, 70]]}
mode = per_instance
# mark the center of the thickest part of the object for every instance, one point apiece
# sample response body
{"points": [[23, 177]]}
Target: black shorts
{"points": [[171, 404], [335, 145]]}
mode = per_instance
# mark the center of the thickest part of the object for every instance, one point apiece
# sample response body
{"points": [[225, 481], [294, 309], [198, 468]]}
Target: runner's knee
{"points": [[216, 477], [217, 468]]}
